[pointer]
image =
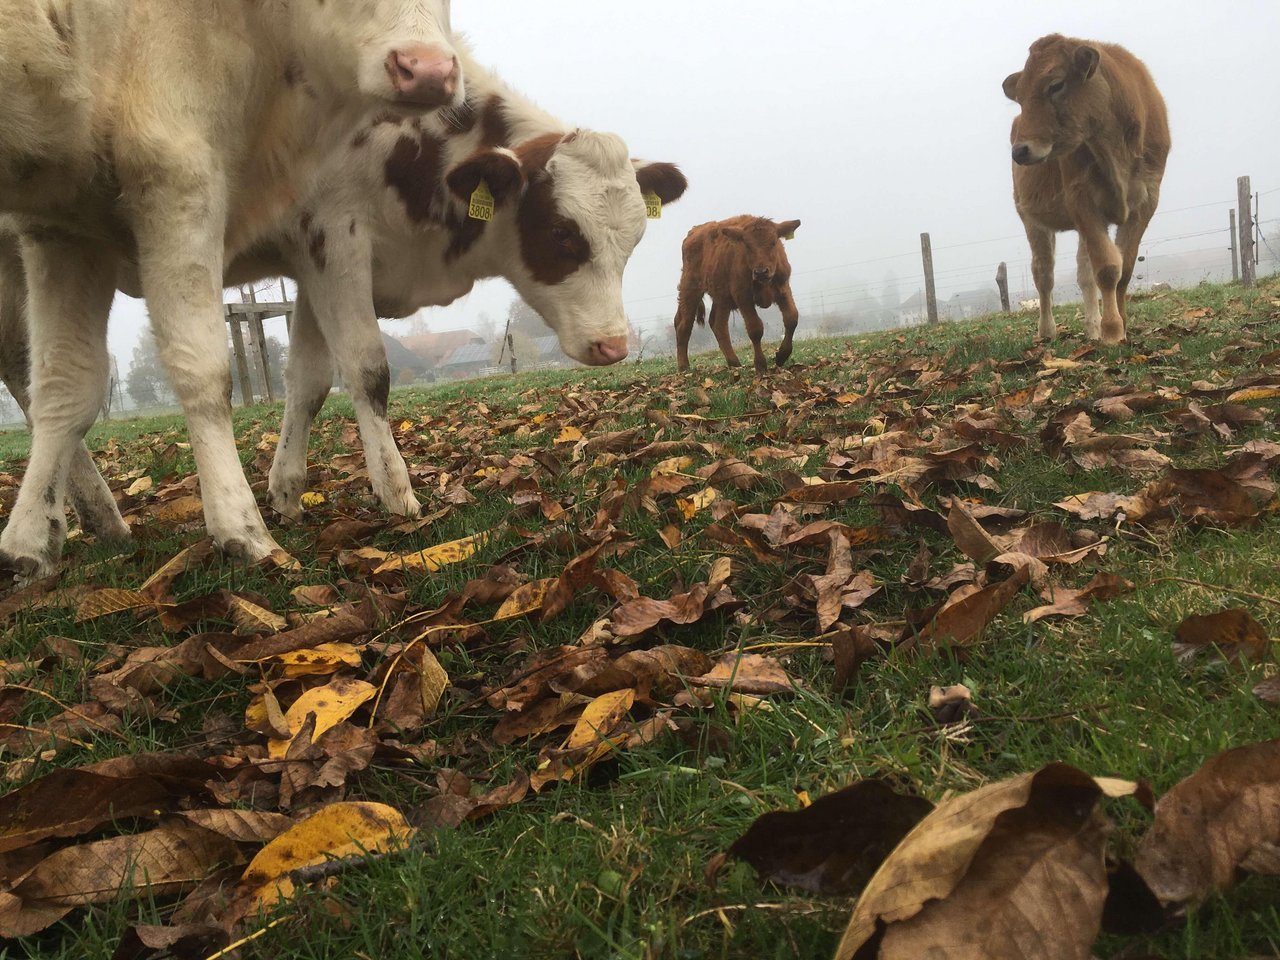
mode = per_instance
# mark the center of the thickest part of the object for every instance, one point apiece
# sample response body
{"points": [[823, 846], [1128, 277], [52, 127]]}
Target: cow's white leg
{"points": [[1089, 291], [339, 289], [1043, 243], [90, 496], [71, 285], [180, 239], [308, 379]]}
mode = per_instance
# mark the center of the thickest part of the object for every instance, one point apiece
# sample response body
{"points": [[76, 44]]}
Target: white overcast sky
{"points": [[871, 122]]}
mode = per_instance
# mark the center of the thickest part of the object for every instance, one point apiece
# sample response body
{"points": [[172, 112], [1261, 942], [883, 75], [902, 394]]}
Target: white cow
{"points": [[569, 209], [172, 135]]}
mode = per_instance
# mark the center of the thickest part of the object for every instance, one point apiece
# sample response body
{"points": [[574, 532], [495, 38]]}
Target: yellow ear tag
{"points": [[482, 203], [653, 206]]}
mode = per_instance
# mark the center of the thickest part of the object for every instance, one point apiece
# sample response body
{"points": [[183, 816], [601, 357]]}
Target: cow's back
{"points": [[711, 259]]}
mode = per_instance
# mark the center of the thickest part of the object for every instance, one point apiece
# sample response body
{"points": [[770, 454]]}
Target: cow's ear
{"points": [[1085, 60], [498, 168], [1011, 85], [663, 179], [733, 233], [787, 230]]}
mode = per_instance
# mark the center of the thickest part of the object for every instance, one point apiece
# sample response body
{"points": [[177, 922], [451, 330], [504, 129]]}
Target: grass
{"points": [[613, 866]]}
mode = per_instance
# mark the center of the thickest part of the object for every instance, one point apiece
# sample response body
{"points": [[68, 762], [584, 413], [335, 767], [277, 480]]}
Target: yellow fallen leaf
{"points": [[251, 618], [589, 742], [434, 558], [569, 435], [311, 499], [104, 603], [1062, 363], [1254, 393], [139, 486], [332, 704], [336, 832], [528, 598], [692, 506], [435, 680], [319, 661]]}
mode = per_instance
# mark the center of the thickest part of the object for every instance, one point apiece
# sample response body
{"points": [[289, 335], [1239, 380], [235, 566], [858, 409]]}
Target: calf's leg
{"points": [[790, 320], [755, 330], [90, 496], [1043, 243], [308, 379], [71, 285], [180, 241], [720, 313], [1089, 291], [686, 316], [1107, 267], [1129, 239], [339, 291]]}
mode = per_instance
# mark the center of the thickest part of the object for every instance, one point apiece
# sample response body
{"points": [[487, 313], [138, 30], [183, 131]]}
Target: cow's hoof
{"points": [[106, 526], [247, 549], [19, 569], [403, 505]]}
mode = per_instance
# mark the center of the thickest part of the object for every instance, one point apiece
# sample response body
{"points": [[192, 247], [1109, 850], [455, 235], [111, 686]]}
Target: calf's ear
{"points": [[732, 233], [663, 179], [498, 168], [787, 230], [1085, 60], [1011, 86]]}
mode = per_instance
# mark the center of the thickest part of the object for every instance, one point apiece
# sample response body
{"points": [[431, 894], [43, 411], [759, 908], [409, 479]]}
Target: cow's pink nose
{"points": [[425, 76], [609, 350]]}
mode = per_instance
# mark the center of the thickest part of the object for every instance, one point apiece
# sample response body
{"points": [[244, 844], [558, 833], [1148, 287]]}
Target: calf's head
{"points": [[762, 241], [571, 211], [396, 52], [1059, 98]]}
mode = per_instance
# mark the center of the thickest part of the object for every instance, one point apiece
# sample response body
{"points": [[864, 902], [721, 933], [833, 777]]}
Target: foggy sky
{"points": [[869, 122]]}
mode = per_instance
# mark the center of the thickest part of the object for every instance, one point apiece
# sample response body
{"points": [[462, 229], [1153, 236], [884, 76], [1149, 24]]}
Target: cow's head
{"points": [[762, 238], [571, 210], [1058, 98], [396, 52]]}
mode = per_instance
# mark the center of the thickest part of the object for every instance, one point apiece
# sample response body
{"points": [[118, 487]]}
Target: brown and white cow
{"points": [[569, 210], [742, 264], [164, 137], [1089, 151]]}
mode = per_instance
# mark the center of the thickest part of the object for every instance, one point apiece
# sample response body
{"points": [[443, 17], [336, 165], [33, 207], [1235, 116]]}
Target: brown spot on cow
{"points": [[316, 247], [742, 265], [495, 131], [413, 170], [376, 384], [1089, 150], [294, 73]]}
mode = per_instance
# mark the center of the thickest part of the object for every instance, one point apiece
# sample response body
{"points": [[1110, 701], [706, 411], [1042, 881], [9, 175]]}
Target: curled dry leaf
{"points": [[1076, 603], [588, 743], [834, 846], [1222, 819], [1012, 871], [433, 559], [330, 704], [1235, 633]]}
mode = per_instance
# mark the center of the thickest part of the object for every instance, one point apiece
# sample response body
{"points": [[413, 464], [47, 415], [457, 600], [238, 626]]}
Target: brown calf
{"points": [[741, 263], [1089, 150]]}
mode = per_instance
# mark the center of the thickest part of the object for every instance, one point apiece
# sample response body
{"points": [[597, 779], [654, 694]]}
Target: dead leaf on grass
{"points": [[1235, 634]]}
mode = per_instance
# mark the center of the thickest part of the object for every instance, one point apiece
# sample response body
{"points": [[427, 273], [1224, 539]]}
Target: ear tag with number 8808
{"points": [[482, 203], [653, 206]]}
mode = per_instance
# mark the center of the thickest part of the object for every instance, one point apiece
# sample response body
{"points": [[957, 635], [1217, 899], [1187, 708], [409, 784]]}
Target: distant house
{"points": [[406, 366], [435, 348], [973, 303], [913, 311], [469, 360]]}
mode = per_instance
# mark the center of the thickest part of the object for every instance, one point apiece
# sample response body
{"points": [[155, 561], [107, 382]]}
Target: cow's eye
{"points": [[1056, 88], [561, 236]]}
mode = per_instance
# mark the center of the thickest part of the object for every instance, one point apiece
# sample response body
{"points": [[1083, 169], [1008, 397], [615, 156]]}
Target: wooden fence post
{"points": [[930, 291], [1245, 196], [1002, 281], [1235, 251], [242, 363], [511, 348], [258, 337]]}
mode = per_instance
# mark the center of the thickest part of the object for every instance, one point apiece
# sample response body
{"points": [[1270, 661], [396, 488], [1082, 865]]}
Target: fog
{"points": [[871, 123]]}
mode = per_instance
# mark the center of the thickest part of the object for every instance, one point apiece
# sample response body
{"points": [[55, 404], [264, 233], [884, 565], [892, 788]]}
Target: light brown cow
{"points": [[741, 263], [1089, 150]]}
